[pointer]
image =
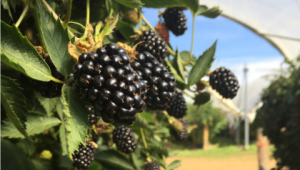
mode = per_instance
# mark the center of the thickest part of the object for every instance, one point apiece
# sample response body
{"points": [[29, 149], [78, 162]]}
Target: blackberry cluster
{"points": [[152, 166], [152, 43], [124, 139], [84, 157], [161, 84], [183, 134], [177, 107], [106, 80], [81, 4], [49, 89], [175, 20], [224, 82], [92, 117], [95, 137], [163, 31]]}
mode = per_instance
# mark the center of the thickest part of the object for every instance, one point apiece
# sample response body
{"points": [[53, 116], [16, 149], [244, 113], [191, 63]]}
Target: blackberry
{"points": [[49, 89], [175, 20], [84, 157], [124, 139], [106, 80], [224, 82], [93, 117], [152, 166], [95, 137], [183, 134], [152, 43], [163, 31], [160, 84], [177, 107]]}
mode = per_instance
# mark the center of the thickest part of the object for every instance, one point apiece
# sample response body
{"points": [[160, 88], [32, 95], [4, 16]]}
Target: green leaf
{"points": [[43, 164], [56, 40], [14, 157], [49, 104], [192, 4], [202, 64], [208, 12], [138, 163], [6, 5], [131, 3], [27, 146], [126, 30], [202, 98], [35, 124], [18, 53], [185, 56], [174, 165], [14, 103], [178, 65], [173, 71], [158, 149], [112, 25], [149, 117], [75, 120], [110, 157]]}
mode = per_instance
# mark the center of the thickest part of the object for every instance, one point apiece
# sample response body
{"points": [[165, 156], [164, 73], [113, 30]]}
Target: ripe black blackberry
{"points": [[152, 166], [124, 138], [84, 157], [49, 89], [152, 43], [224, 82], [160, 83], [106, 80], [177, 107], [175, 20], [183, 134]]}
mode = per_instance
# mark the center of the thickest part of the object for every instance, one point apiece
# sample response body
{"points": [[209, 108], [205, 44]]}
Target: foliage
{"points": [[280, 119], [41, 133], [207, 114]]}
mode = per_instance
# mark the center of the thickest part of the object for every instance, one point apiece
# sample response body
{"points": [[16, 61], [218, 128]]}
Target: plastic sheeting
{"points": [[278, 21]]}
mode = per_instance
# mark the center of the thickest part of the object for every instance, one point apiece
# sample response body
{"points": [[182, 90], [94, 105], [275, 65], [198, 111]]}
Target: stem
{"points": [[76, 23], [57, 81], [22, 15], [191, 52], [68, 15], [149, 25], [186, 69], [87, 20], [142, 134]]}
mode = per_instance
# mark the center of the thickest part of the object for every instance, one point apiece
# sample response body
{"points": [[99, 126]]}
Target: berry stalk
{"points": [[68, 15], [85, 34], [191, 52], [22, 15], [57, 81]]}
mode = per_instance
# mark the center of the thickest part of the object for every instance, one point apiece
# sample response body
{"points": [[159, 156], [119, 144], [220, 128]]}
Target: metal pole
{"points": [[245, 111]]}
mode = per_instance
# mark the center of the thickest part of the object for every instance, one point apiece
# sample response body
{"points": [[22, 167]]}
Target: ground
{"points": [[226, 158]]}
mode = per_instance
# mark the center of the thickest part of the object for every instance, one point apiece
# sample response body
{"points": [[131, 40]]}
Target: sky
{"points": [[236, 45]]}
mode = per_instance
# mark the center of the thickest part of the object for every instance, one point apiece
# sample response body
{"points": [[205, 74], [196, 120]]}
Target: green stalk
{"points": [[87, 20], [68, 15], [22, 15], [142, 134], [191, 52], [57, 81], [149, 25]]}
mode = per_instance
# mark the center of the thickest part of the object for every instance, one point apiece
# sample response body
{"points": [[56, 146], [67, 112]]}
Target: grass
{"points": [[214, 153]]}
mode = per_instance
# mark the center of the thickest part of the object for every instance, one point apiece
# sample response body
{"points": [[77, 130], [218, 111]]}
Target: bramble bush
{"points": [[78, 75]]}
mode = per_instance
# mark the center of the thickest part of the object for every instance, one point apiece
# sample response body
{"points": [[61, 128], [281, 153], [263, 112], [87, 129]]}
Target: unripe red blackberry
{"points": [[49, 89], [160, 83], [152, 43], [163, 31], [124, 138], [224, 82], [152, 166], [177, 107], [175, 20], [106, 80], [183, 134], [84, 157]]}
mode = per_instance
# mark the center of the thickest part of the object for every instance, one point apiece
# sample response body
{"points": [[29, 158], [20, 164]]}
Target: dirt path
{"points": [[245, 162]]}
